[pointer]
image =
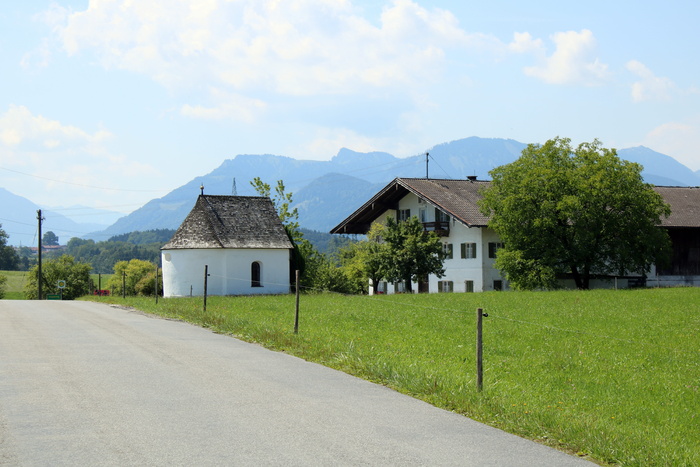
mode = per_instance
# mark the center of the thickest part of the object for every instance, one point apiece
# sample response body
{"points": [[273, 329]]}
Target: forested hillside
{"points": [[102, 256]]}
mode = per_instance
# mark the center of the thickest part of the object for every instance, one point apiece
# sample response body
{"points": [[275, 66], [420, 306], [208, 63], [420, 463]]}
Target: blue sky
{"points": [[111, 103]]}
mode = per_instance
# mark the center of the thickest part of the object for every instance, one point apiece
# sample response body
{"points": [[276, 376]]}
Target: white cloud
{"points": [[524, 43], [298, 48], [327, 141], [228, 106], [679, 140], [21, 127], [572, 62], [650, 87]]}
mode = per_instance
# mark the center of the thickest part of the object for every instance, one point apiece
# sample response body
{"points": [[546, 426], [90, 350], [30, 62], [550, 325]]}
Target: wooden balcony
{"points": [[441, 228]]}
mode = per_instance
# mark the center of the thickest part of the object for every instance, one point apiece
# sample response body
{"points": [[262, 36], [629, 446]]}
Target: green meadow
{"points": [[613, 376], [14, 288]]}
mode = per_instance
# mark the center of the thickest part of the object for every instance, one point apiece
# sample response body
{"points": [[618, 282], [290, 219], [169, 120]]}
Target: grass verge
{"points": [[611, 375], [14, 289]]}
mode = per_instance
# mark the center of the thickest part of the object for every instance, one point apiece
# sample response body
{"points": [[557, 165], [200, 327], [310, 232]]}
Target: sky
{"points": [[111, 103]]}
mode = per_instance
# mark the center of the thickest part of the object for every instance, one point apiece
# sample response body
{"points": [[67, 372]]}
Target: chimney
{"points": [[471, 178]]}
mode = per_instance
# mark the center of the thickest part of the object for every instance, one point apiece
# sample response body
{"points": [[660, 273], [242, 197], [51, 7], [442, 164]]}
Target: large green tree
{"points": [[581, 211], [75, 274], [412, 253], [49, 238]]}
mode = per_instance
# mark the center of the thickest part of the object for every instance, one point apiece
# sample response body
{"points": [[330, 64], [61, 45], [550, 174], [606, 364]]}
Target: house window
{"points": [[447, 250], [422, 215], [469, 286], [498, 285], [399, 287], [468, 250], [445, 286], [493, 248], [255, 274], [381, 287], [441, 216], [404, 215]]}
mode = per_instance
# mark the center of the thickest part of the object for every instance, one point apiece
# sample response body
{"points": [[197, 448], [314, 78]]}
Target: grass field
{"points": [[611, 375], [14, 289]]}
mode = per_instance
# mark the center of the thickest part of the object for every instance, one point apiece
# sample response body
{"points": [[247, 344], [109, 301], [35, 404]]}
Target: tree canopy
{"points": [[582, 212], [9, 261], [412, 252], [49, 239]]}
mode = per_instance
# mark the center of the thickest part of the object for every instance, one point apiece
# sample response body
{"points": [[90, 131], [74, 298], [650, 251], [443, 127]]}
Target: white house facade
{"points": [[442, 206], [450, 208], [238, 240]]}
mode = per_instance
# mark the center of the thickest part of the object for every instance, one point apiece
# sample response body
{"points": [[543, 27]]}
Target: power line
{"points": [[82, 185]]}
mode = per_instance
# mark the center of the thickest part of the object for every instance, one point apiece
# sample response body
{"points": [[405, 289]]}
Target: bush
{"points": [[75, 274], [139, 280]]}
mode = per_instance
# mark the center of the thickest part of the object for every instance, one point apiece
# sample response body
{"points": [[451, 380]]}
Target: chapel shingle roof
{"points": [[230, 222], [459, 199]]}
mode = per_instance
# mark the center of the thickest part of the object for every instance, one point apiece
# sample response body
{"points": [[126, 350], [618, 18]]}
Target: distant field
{"points": [[101, 280], [14, 289], [611, 375], [16, 279]]}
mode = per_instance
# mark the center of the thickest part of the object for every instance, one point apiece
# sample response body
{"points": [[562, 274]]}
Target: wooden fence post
{"points": [[479, 351], [206, 269], [296, 314]]}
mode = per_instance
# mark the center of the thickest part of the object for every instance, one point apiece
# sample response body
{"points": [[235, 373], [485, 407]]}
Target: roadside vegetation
{"points": [[610, 375], [14, 285]]}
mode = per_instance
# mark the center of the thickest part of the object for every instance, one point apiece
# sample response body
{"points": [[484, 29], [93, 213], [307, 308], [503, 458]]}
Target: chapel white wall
{"points": [[229, 271]]}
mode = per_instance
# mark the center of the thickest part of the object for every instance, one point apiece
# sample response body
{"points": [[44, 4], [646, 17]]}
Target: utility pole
{"points": [[38, 252]]}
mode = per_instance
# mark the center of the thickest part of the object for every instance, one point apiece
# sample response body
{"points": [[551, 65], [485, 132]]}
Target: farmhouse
{"points": [[449, 208], [241, 242]]}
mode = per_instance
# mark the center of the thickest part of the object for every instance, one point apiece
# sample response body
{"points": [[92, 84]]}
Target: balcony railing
{"points": [[441, 228]]}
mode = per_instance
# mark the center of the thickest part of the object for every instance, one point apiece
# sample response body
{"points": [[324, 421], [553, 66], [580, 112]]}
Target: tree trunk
{"points": [[409, 286], [586, 279], [578, 280]]}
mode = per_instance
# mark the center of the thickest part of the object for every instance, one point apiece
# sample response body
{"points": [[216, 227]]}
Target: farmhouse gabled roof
{"points": [[230, 222], [459, 198]]}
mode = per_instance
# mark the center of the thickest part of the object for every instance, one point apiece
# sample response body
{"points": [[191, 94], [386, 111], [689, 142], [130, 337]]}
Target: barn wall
{"points": [[229, 271]]}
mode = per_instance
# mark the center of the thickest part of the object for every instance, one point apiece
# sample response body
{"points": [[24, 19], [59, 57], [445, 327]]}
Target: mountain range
{"points": [[324, 192]]}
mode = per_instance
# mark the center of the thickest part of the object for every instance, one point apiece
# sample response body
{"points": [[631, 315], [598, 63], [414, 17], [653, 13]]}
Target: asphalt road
{"points": [[89, 384]]}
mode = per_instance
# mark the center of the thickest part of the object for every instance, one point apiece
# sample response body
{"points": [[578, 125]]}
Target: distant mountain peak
{"points": [[348, 156]]}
